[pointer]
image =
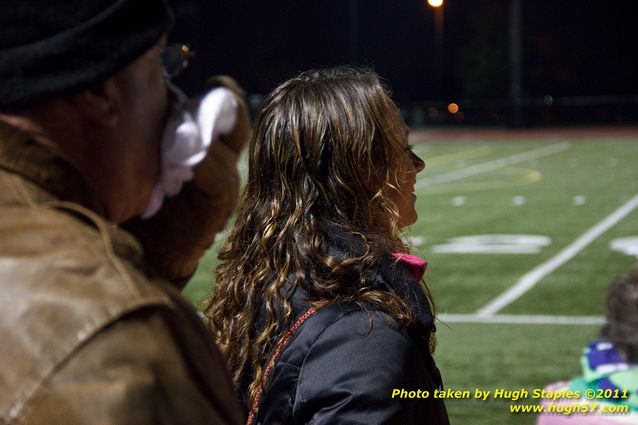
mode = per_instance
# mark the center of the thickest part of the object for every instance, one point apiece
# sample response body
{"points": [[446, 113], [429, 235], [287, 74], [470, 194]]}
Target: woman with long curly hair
{"points": [[318, 308]]}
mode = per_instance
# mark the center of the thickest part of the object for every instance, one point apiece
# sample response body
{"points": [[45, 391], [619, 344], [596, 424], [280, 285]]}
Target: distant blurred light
{"points": [[459, 116], [548, 100], [435, 3], [433, 112], [453, 108]]}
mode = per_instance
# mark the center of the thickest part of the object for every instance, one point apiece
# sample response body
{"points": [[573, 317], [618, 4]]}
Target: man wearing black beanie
{"points": [[93, 329]]}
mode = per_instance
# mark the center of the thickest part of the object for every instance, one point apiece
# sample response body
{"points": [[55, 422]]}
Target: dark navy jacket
{"points": [[345, 361]]}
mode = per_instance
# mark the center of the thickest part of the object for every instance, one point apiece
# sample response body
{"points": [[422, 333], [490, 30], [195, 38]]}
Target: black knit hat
{"points": [[50, 48]]}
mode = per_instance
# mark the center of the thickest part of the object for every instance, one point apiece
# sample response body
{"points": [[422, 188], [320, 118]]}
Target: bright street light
{"points": [[438, 43]]}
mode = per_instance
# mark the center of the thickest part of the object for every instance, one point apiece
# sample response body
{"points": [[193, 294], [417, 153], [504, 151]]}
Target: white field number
{"points": [[628, 245]]}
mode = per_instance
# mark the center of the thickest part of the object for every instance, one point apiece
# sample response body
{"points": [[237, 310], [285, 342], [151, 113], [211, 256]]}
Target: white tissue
{"points": [[194, 124]]}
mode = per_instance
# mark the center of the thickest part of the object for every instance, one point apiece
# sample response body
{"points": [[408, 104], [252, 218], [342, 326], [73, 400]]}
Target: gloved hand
{"points": [[178, 235], [226, 150]]}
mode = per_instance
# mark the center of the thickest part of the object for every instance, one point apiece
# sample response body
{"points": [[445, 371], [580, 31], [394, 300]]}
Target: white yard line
{"points": [[522, 319], [492, 165], [530, 279]]}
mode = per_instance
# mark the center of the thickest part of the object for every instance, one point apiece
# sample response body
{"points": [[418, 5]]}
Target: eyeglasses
{"points": [[175, 59]]}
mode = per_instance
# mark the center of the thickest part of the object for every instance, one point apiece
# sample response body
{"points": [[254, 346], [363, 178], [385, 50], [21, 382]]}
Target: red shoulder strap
{"points": [[271, 363]]}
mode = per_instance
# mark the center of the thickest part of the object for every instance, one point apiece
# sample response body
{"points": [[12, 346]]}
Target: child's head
{"points": [[622, 315]]}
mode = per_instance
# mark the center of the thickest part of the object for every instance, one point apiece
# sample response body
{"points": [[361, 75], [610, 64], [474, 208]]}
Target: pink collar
{"points": [[416, 266]]}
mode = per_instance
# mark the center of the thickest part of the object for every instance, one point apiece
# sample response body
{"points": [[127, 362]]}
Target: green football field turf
{"points": [[551, 209]]}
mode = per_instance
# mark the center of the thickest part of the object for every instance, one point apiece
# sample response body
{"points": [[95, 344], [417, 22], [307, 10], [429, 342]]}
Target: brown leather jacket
{"points": [[88, 333]]}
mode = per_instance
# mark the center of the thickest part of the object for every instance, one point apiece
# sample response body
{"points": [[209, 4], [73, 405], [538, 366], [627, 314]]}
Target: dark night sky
{"points": [[570, 47]]}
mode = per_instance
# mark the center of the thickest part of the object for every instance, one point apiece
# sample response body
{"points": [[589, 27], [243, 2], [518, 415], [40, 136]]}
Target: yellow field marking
{"points": [[489, 166], [457, 156], [505, 177]]}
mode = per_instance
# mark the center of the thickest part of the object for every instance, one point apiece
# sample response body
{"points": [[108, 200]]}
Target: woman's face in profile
{"points": [[409, 165]]}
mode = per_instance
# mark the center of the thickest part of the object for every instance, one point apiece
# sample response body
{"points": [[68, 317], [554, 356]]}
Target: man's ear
{"points": [[99, 103]]}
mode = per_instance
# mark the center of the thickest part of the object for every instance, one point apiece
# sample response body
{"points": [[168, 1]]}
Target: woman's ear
{"points": [[99, 103]]}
